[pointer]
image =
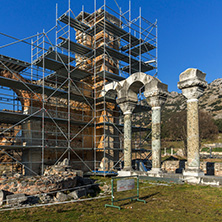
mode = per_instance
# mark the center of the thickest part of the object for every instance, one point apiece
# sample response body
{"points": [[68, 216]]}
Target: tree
{"points": [[174, 127], [218, 123]]}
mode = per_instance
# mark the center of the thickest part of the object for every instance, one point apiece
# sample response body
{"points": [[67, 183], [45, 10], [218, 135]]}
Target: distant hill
{"points": [[211, 100]]}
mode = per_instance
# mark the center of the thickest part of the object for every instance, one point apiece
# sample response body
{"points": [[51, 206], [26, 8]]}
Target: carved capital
{"points": [[156, 93], [127, 107], [192, 83], [156, 101]]}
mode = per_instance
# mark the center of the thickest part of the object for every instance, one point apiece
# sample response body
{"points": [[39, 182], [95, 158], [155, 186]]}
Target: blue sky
{"points": [[189, 31]]}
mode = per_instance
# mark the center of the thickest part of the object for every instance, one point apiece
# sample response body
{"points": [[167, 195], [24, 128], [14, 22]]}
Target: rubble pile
{"points": [[59, 183]]}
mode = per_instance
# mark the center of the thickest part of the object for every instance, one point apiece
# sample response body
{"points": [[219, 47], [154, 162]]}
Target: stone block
{"points": [[17, 175], [192, 73], [77, 193], [2, 197], [192, 78], [16, 199], [155, 88], [60, 197], [45, 198], [79, 173]]}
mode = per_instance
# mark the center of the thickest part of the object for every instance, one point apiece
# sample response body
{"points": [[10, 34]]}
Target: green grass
{"points": [[206, 149], [164, 203]]}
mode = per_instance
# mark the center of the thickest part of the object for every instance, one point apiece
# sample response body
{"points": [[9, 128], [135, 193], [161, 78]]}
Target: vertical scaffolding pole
{"points": [[56, 30], [31, 59], [56, 50], [37, 53], [156, 49], [140, 58], [43, 103], [140, 39], [130, 45], [69, 86], [94, 43], [104, 82]]}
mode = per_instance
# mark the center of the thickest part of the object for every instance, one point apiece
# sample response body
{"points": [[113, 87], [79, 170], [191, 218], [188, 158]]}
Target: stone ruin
{"points": [[59, 183]]}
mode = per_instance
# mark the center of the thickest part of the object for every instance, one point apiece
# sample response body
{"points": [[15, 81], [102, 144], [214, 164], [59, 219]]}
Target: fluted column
{"points": [[156, 94], [192, 82]]}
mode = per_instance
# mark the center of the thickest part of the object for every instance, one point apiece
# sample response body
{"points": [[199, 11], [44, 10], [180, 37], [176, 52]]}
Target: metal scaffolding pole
{"points": [[69, 84], [43, 105], [95, 96]]}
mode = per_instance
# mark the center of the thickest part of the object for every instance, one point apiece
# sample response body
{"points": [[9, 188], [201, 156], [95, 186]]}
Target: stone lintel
{"points": [[192, 83]]}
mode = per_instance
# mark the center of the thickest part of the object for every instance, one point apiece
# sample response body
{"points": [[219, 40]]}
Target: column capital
{"points": [[127, 107], [156, 101], [192, 83], [156, 93]]}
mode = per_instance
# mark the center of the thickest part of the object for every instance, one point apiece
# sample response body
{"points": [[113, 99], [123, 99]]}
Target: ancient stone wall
{"points": [[176, 166]]}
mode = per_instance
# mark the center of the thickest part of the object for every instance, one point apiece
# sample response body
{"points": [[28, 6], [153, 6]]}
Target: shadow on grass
{"points": [[141, 198], [148, 196]]}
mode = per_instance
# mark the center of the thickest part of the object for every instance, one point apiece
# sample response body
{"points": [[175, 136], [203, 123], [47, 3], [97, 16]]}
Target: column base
{"points": [[125, 173], [155, 172], [193, 172], [127, 169]]}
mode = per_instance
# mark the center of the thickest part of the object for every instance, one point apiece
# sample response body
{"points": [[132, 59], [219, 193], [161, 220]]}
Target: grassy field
{"points": [[169, 202]]}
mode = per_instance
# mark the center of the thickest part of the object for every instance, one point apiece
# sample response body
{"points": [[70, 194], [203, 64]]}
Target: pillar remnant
{"points": [[127, 108], [192, 83], [126, 92], [156, 94]]}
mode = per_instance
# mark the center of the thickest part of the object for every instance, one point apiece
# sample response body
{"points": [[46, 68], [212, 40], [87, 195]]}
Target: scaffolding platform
{"points": [[16, 117], [12, 64], [121, 126], [61, 69], [111, 28], [47, 90], [141, 49], [134, 63], [75, 47], [110, 76], [74, 23]]}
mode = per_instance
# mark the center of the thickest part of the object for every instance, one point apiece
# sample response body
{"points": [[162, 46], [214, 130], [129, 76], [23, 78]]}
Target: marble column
{"points": [[192, 83], [156, 94], [127, 109], [156, 139]]}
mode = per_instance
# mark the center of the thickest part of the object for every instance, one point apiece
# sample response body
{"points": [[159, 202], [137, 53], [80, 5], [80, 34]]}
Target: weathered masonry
{"points": [[126, 92]]}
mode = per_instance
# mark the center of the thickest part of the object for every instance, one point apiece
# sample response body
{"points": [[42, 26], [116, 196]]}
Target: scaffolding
{"points": [[51, 108]]}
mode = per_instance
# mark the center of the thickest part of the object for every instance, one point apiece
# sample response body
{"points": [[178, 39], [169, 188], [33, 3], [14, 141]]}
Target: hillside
{"points": [[211, 100]]}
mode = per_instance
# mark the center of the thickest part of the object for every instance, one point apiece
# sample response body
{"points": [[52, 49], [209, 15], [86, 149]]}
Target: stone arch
{"points": [[26, 97], [128, 88], [111, 93], [138, 80]]}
